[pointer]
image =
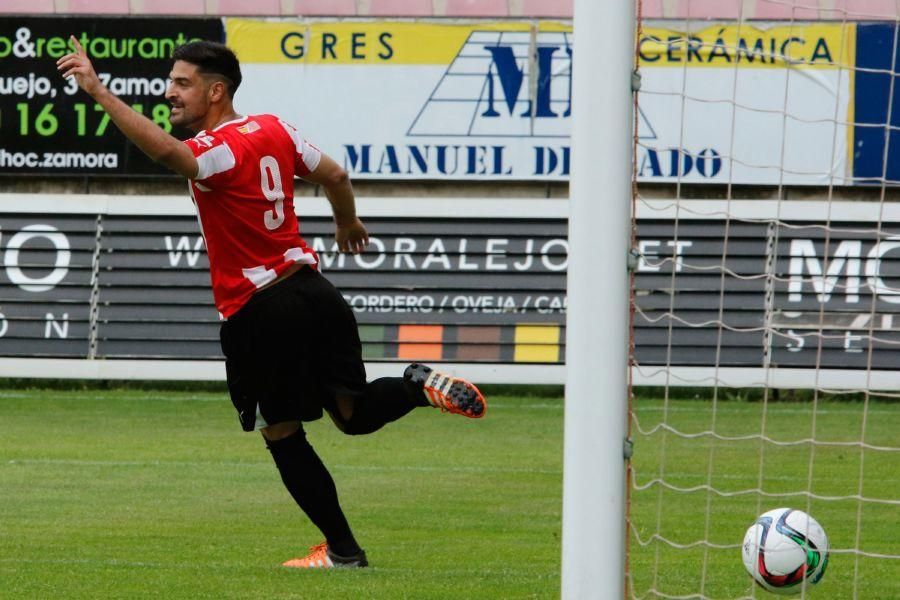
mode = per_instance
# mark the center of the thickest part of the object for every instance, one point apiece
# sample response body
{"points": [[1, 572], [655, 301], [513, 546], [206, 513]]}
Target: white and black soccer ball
{"points": [[783, 548]]}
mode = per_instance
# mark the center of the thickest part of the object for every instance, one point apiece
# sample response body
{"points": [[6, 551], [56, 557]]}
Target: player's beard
{"points": [[184, 117]]}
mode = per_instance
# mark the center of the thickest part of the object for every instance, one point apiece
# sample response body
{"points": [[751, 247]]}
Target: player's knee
{"points": [[279, 431], [352, 426], [345, 406], [355, 416], [338, 421]]}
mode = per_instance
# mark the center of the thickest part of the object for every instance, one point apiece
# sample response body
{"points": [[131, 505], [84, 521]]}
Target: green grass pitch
{"points": [[732, 467], [140, 494]]}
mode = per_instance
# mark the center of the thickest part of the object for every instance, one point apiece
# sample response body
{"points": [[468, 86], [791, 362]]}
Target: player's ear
{"points": [[217, 91]]}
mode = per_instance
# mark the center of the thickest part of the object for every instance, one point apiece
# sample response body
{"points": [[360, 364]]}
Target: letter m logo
{"points": [[503, 84], [506, 77]]}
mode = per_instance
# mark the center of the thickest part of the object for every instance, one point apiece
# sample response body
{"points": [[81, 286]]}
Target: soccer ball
{"points": [[783, 548]]}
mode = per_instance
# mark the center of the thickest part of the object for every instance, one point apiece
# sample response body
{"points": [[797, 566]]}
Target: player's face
{"points": [[188, 93]]}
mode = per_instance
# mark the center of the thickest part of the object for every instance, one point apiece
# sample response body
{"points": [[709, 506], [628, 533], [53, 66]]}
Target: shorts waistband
{"points": [[260, 297]]}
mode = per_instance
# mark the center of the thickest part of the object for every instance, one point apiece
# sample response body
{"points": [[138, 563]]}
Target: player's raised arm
{"points": [[146, 135], [350, 234]]}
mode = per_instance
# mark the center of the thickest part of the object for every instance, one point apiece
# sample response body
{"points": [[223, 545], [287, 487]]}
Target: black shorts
{"points": [[290, 350]]}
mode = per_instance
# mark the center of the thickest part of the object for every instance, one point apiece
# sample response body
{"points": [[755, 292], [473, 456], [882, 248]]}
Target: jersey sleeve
{"points": [[213, 155], [306, 156]]}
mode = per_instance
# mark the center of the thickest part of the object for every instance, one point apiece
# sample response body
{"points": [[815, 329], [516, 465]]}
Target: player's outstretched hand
{"points": [[77, 64], [351, 237]]}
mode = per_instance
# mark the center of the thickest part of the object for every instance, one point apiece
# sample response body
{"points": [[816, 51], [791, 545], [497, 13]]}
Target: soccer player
{"points": [[290, 341]]}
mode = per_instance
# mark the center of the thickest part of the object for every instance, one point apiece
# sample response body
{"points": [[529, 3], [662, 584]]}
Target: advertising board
{"points": [[760, 104], [49, 126], [764, 288]]}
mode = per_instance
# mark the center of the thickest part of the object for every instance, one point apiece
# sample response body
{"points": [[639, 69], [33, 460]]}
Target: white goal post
{"points": [[593, 553]]}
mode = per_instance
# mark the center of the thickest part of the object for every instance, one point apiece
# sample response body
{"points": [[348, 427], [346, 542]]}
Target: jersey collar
{"points": [[242, 119]]}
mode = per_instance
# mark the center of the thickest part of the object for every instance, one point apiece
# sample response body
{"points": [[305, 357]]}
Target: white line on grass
{"points": [[703, 475], [774, 409], [540, 406], [674, 406], [372, 468], [174, 463], [212, 397], [87, 561], [448, 469], [69, 396], [528, 573]]}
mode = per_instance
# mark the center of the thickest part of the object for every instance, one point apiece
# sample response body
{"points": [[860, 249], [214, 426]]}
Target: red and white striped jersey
{"points": [[244, 194]]}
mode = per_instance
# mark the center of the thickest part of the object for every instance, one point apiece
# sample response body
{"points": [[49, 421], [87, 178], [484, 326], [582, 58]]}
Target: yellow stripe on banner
{"points": [[537, 343], [814, 45], [347, 42], [850, 59], [817, 46], [554, 26]]}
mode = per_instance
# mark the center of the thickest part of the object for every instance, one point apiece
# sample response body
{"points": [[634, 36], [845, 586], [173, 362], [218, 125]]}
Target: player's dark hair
{"points": [[212, 58]]}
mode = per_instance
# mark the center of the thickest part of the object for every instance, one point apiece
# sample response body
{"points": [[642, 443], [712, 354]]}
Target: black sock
{"points": [[312, 487], [385, 400]]}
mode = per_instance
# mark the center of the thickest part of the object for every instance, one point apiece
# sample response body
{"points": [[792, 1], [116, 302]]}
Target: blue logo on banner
{"points": [[873, 104], [489, 89]]}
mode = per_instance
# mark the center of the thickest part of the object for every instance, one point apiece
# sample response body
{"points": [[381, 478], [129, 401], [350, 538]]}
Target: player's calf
{"points": [[448, 393]]}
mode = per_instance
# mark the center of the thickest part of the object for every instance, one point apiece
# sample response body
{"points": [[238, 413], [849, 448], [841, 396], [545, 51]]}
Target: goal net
{"points": [[766, 291]]}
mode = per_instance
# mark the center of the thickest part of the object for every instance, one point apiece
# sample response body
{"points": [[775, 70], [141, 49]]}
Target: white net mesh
{"points": [[766, 357]]}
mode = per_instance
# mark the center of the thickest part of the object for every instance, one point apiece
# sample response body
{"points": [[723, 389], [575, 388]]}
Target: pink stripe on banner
{"points": [[400, 8], [727, 10], [99, 7], [27, 6], [255, 8], [477, 8], [173, 7], [776, 10], [322, 8], [542, 8]]}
